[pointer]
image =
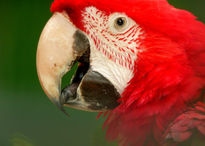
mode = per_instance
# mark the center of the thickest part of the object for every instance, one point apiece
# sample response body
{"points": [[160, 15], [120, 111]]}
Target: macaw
{"points": [[142, 62]]}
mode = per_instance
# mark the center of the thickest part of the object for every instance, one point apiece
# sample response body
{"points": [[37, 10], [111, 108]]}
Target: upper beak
{"points": [[54, 56], [61, 45]]}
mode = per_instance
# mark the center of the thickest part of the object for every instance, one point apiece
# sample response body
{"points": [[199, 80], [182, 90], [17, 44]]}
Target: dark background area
{"points": [[27, 117]]}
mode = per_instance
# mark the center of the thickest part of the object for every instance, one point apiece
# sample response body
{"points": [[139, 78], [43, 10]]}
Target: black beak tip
{"points": [[59, 104]]}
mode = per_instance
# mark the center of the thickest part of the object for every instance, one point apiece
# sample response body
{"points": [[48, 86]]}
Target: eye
{"points": [[120, 23]]}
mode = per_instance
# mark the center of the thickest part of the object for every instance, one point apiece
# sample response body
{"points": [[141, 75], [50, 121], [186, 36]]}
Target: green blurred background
{"points": [[27, 117]]}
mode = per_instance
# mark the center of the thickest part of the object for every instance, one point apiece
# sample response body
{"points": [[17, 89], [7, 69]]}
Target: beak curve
{"points": [[52, 62], [61, 45]]}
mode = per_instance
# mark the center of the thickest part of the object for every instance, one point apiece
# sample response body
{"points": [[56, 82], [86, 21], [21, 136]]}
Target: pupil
{"points": [[120, 21]]}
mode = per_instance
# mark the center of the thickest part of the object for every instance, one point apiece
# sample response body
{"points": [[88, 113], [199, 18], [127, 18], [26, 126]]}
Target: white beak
{"points": [[55, 54]]}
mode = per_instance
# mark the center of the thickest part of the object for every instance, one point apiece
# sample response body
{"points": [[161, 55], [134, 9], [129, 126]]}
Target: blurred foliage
{"points": [[20, 140], [24, 108]]}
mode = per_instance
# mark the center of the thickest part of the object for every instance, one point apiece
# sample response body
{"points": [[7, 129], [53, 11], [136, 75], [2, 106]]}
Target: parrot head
{"points": [[106, 47], [140, 59]]}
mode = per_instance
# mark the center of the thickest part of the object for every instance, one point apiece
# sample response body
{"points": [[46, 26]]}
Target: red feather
{"points": [[169, 74]]}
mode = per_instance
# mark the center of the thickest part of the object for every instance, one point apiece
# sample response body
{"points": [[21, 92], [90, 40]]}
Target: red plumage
{"points": [[169, 75]]}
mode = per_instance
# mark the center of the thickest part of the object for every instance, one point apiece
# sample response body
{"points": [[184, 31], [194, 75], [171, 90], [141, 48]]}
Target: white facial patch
{"points": [[114, 47]]}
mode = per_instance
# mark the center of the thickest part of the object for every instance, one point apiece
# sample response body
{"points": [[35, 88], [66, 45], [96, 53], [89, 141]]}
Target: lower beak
{"points": [[61, 45]]}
